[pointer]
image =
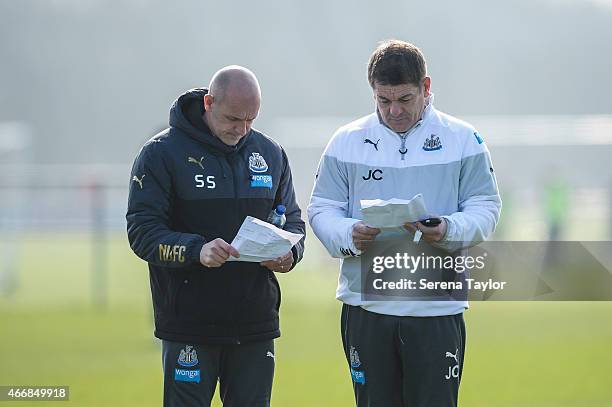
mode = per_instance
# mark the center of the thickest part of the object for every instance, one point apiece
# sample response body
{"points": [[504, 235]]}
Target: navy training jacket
{"points": [[188, 188]]}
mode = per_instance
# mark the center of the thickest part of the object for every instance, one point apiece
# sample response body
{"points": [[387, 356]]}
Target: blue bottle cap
{"points": [[280, 209]]}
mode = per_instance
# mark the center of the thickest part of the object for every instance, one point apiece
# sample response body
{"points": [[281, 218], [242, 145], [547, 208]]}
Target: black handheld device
{"points": [[431, 222]]}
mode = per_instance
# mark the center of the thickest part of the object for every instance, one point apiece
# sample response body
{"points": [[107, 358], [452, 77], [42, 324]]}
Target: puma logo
{"points": [[199, 162], [453, 371], [139, 181], [270, 355], [450, 355], [368, 141]]}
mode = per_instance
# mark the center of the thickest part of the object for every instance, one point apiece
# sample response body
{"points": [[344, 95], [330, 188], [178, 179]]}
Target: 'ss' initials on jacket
{"points": [[188, 188]]}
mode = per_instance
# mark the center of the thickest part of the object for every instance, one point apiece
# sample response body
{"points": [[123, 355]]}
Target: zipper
{"points": [[231, 171], [229, 159], [403, 150], [403, 136], [175, 294], [223, 168], [234, 181]]}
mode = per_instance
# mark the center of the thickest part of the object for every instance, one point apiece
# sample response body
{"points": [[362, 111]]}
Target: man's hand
{"points": [[430, 234], [281, 264], [216, 252], [363, 235]]}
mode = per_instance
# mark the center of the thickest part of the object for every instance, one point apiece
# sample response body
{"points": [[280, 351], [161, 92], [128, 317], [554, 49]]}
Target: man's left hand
{"points": [[430, 234], [280, 265]]}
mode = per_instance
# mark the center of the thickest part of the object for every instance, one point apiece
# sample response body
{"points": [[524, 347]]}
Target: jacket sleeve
{"points": [[286, 195], [479, 202], [328, 211], [149, 224]]}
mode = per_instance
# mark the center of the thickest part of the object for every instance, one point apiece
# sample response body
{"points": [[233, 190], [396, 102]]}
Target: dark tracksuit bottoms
{"points": [[403, 361], [245, 373]]}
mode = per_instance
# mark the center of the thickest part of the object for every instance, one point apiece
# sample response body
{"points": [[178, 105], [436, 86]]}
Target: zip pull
{"points": [[403, 150]]}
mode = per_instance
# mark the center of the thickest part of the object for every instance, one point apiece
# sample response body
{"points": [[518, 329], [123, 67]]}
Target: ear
{"points": [[426, 85], [208, 101]]}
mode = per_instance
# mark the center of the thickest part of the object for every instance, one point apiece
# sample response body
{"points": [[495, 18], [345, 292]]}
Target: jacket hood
{"points": [[186, 113]]}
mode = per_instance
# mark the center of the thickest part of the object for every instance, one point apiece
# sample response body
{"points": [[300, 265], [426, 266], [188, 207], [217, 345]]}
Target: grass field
{"points": [[519, 354]]}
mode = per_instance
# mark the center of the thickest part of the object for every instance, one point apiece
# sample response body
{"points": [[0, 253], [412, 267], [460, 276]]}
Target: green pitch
{"points": [[518, 354]]}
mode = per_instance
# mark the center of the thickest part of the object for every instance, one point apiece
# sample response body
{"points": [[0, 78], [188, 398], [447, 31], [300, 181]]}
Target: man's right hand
{"points": [[216, 252], [363, 235]]}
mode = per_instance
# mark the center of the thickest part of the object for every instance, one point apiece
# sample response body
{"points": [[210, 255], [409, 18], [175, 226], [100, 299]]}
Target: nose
{"points": [[395, 110], [242, 128]]}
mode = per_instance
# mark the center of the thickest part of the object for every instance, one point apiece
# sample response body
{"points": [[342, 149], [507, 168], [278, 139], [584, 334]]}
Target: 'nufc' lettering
{"points": [[172, 253]]}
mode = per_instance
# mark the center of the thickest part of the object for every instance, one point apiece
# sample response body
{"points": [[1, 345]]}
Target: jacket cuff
{"points": [[195, 249], [451, 230], [353, 251], [296, 258]]}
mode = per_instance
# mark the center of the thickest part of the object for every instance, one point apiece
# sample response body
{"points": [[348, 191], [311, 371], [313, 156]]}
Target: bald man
{"points": [[191, 187]]}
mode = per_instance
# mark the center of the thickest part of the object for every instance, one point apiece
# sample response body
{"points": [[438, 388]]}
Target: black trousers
{"points": [[403, 361], [191, 371]]}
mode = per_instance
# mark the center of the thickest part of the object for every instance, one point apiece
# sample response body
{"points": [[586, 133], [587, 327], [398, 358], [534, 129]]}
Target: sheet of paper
{"points": [[393, 213], [258, 241]]}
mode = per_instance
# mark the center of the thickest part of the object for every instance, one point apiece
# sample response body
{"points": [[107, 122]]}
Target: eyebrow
{"points": [[406, 96], [229, 116]]}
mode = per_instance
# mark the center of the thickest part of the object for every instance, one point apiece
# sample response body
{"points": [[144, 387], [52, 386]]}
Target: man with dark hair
{"points": [[403, 353], [395, 63], [192, 186]]}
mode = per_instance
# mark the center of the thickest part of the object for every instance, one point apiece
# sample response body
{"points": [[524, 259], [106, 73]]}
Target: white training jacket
{"points": [[444, 158]]}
